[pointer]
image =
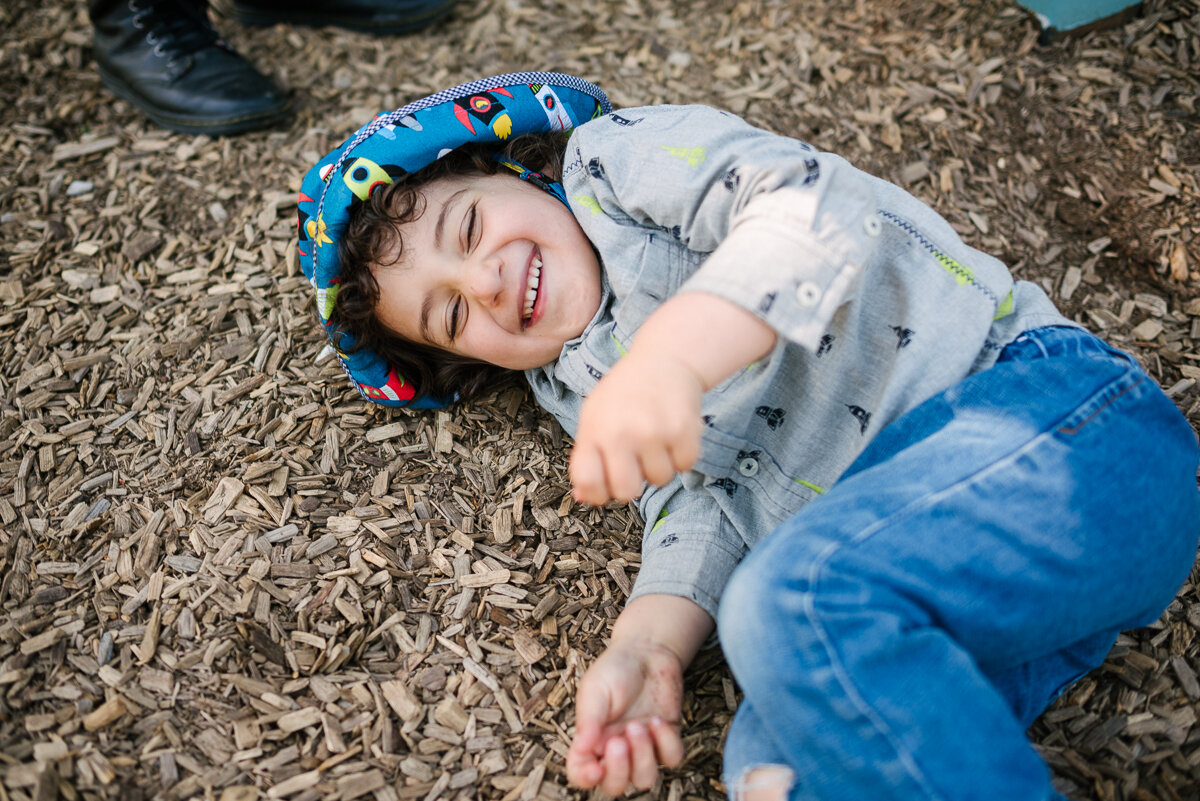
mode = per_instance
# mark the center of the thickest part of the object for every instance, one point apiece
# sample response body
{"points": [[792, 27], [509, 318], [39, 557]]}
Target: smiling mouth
{"points": [[531, 288]]}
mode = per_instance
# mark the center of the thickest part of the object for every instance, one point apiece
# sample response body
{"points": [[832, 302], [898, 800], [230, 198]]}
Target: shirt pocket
{"points": [[655, 273]]}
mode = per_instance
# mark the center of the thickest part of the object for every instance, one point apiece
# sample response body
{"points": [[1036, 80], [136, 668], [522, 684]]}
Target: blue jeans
{"points": [[896, 637]]}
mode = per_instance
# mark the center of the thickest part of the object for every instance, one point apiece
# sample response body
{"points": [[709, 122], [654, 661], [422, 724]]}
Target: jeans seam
{"points": [[1104, 403], [850, 687]]}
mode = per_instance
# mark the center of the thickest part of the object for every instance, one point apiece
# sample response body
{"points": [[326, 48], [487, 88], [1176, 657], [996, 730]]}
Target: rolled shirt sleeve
{"points": [[787, 228], [689, 548]]}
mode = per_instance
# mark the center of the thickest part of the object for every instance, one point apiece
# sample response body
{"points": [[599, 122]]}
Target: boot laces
{"points": [[174, 29]]}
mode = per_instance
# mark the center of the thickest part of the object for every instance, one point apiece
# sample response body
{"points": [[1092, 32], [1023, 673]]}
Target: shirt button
{"points": [[872, 225], [808, 294], [748, 466]]}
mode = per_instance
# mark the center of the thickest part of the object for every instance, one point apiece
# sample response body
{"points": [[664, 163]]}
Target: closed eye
{"points": [[458, 315], [473, 228]]}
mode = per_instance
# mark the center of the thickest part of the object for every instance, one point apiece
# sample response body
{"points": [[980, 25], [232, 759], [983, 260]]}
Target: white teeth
{"points": [[535, 273]]}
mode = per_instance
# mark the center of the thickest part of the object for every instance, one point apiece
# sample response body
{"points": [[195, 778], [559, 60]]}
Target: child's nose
{"points": [[484, 280]]}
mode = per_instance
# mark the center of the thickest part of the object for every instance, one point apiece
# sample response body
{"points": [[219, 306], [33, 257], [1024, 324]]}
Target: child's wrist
{"points": [[709, 336], [673, 361], [666, 622]]}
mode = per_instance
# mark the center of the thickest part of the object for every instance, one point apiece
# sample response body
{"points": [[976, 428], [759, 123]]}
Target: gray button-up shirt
{"points": [[878, 303]]}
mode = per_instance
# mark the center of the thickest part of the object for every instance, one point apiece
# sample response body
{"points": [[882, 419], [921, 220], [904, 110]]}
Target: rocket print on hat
{"points": [[486, 108], [555, 113]]}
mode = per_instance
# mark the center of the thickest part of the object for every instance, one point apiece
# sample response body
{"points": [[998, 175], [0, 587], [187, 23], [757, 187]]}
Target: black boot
{"points": [[164, 57], [371, 16]]}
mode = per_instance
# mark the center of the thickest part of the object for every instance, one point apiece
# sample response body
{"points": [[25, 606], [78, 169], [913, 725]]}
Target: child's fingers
{"points": [[622, 474], [592, 710], [616, 767], [586, 471], [583, 768], [600, 475], [656, 465], [583, 762], [643, 764], [667, 743], [685, 451]]}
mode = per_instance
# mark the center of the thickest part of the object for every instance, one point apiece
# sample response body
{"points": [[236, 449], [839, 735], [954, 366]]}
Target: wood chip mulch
{"points": [[224, 575]]}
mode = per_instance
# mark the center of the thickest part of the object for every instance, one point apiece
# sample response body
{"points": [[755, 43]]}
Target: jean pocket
{"points": [[1129, 386]]}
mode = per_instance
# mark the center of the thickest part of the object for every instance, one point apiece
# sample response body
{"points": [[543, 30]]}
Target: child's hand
{"points": [[627, 719], [641, 423]]}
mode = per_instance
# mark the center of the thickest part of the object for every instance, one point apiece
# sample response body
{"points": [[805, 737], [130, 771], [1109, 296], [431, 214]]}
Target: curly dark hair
{"points": [[375, 231]]}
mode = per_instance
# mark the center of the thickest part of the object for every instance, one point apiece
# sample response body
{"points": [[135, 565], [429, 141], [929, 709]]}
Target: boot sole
{"points": [[195, 125], [384, 27]]}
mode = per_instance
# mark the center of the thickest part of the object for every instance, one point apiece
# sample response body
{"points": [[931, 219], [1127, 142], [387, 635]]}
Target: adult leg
{"points": [[164, 57], [996, 536]]}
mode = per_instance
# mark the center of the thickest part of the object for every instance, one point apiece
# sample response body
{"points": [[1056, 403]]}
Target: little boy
{"points": [[879, 466]]}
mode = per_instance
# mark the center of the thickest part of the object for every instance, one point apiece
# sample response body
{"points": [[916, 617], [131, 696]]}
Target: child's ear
{"points": [[549, 171]]}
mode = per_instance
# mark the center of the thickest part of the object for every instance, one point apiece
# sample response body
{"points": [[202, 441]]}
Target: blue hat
{"points": [[399, 142]]}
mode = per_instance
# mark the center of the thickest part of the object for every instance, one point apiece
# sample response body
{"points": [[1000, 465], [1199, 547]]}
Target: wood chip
{"points": [[76, 150], [300, 719], [301, 781], [401, 700], [41, 641], [104, 715], [226, 493]]}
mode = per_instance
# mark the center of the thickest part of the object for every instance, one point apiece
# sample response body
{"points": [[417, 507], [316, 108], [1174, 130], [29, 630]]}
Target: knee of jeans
{"points": [[762, 783], [746, 602]]}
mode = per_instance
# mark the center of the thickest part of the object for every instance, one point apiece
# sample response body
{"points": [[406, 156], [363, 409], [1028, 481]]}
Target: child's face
{"points": [[470, 264]]}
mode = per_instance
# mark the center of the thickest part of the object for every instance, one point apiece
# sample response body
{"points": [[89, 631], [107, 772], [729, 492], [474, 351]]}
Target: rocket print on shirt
{"points": [[619, 120], [903, 336], [861, 415], [729, 485], [814, 172], [773, 416]]}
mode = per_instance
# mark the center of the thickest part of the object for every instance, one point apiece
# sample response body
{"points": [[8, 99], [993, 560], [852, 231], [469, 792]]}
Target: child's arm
{"points": [[786, 230], [627, 711], [642, 421]]}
